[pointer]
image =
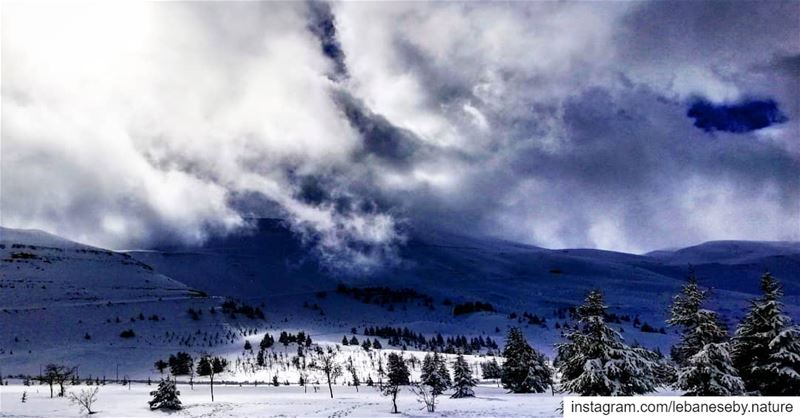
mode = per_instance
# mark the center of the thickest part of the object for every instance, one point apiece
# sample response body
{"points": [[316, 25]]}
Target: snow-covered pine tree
{"points": [[491, 369], [664, 370], [525, 369], [784, 363], [596, 362], [710, 371], [428, 368], [435, 374], [683, 314], [463, 381], [165, 396], [766, 348], [444, 373]]}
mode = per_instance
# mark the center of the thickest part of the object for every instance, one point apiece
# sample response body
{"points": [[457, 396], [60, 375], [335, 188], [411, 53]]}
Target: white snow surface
{"points": [[65, 302], [267, 401]]}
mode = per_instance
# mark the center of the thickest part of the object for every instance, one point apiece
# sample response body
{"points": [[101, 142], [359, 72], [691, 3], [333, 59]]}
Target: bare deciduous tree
{"points": [[326, 362], [56, 374], [85, 399], [426, 395]]}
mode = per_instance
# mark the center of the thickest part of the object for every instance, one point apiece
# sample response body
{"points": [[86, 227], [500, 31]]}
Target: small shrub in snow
{"points": [[85, 399], [165, 396]]}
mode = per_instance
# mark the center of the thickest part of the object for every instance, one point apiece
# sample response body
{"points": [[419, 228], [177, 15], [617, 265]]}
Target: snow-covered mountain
{"points": [[269, 260], [81, 298], [38, 269]]}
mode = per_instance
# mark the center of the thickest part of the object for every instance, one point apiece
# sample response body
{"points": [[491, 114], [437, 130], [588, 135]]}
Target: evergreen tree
{"points": [[705, 367], [267, 342], [180, 364], [664, 372], [160, 365], [396, 376], [443, 373], [684, 315], [165, 396], [491, 370], [435, 374], [525, 369], [784, 364], [596, 362], [463, 381], [710, 371], [766, 348]]}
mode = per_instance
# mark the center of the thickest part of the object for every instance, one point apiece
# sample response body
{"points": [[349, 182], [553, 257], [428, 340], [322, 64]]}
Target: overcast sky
{"points": [[620, 125]]}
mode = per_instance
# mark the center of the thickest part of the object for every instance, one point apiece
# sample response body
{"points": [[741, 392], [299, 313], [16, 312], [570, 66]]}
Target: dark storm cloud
{"points": [[558, 124], [391, 144], [322, 24], [679, 31], [746, 116]]}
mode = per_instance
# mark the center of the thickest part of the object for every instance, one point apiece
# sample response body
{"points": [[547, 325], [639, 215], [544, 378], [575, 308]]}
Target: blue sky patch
{"points": [[742, 117]]}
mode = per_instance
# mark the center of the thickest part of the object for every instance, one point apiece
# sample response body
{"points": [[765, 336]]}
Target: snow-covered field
{"points": [[283, 401], [67, 303]]}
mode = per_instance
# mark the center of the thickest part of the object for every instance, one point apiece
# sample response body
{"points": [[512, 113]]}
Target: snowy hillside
{"points": [[269, 262], [727, 252], [82, 299], [40, 270]]}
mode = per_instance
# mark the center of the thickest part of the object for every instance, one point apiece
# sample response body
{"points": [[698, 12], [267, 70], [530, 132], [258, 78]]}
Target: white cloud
{"points": [[552, 123]]}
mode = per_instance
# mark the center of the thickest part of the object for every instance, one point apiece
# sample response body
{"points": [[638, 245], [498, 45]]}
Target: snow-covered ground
{"points": [[68, 303], [268, 401]]}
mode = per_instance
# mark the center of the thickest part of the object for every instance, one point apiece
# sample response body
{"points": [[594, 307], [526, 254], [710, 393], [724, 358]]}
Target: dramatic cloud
{"points": [[557, 124]]}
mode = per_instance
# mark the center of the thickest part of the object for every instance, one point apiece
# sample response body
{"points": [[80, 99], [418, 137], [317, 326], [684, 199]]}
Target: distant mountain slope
{"points": [[258, 262], [35, 237], [269, 260], [70, 291], [727, 252], [269, 264], [39, 269]]}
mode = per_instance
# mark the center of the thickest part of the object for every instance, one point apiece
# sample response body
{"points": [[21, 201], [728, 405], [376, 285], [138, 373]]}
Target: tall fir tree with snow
{"points": [[684, 316], [491, 369], [434, 373], [596, 362], [463, 382], [165, 396], [444, 373], [664, 372], [525, 369], [766, 347], [710, 371]]}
